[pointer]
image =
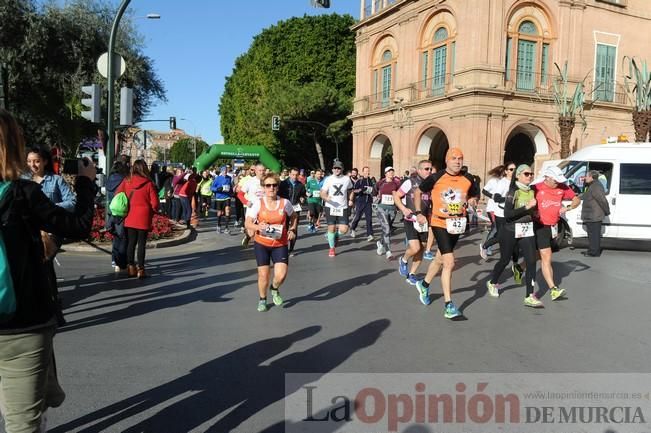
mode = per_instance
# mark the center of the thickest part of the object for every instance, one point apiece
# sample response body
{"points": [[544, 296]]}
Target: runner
{"points": [[268, 218], [550, 193], [205, 193], [337, 193], [416, 233], [294, 191], [516, 232], [363, 189], [386, 209], [223, 190], [251, 192], [450, 192], [314, 202]]}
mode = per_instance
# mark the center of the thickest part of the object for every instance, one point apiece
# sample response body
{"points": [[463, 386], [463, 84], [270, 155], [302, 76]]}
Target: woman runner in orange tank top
{"points": [[268, 219]]}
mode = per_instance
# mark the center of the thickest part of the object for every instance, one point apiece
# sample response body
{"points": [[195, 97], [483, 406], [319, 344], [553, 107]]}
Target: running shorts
{"points": [[413, 234], [264, 255], [337, 220], [315, 209], [543, 236], [220, 205], [444, 240]]}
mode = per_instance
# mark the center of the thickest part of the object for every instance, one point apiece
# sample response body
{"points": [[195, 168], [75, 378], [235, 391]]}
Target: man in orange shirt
{"points": [[451, 191]]}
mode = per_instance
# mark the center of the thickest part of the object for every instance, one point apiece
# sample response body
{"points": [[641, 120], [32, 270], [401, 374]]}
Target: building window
{"points": [[383, 76], [532, 54], [438, 63], [614, 2], [605, 72]]}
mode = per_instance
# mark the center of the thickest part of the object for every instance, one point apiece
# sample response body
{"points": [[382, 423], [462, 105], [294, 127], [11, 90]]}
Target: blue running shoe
{"points": [[451, 311], [427, 255], [403, 267], [412, 279], [423, 293]]}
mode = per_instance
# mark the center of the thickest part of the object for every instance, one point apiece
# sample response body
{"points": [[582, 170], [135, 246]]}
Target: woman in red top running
{"points": [[268, 218]]}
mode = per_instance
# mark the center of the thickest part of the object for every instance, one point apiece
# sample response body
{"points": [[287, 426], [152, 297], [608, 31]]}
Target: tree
{"points": [[302, 69], [183, 150], [52, 51], [641, 96], [568, 107]]}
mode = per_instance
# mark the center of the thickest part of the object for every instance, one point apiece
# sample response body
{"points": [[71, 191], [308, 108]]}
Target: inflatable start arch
{"points": [[222, 151]]}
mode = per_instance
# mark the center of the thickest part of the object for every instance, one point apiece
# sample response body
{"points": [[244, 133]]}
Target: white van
{"points": [[626, 176]]}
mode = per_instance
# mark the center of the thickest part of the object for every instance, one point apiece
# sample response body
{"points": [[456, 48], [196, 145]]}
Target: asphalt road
{"points": [[186, 350]]}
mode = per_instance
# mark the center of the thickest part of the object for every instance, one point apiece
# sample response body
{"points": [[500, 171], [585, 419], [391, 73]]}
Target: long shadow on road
{"points": [[237, 381]]}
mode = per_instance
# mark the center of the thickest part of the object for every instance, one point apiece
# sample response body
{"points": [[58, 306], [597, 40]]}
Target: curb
{"points": [[87, 247]]}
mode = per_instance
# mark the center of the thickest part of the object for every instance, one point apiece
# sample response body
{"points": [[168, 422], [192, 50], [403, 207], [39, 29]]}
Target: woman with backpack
{"points": [[28, 308], [116, 223], [143, 203]]}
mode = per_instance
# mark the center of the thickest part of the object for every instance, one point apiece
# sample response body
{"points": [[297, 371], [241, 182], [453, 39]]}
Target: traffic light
{"points": [[126, 106], [172, 122], [275, 123], [321, 3], [93, 103]]}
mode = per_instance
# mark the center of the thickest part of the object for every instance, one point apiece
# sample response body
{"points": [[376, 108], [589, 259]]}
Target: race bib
{"points": [[337, 211], [297, 208], [554, 230], [226, 188], [523, 230], [316, 194], [273, 231], [369, 190], [420, 228], [387, 199], [456, 226]]}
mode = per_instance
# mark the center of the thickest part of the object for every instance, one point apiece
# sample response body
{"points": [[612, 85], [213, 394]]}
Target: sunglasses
{"points": [[336, 168], [426, 168], [527, 173], [271, 185], [510, 169]]}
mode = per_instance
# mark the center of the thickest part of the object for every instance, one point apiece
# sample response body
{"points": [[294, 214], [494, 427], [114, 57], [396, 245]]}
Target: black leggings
{"points": [[510, 245], [136, 236], [499, 227]]}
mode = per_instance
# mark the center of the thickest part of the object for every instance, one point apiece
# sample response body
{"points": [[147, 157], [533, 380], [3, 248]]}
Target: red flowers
{"points": [[161, 228]]}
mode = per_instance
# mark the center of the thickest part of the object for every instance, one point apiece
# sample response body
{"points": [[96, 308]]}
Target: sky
{"points": [[194, 46]]}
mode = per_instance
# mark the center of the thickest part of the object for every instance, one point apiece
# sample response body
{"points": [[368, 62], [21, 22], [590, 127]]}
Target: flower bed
{"points": [[162, 228]]}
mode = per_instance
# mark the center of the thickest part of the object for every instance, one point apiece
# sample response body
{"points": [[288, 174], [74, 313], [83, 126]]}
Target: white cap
{"points": [[555, 173], [389, 168]]}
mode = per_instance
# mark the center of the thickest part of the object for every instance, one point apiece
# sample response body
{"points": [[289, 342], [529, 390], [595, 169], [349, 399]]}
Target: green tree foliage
{"points": [[301, 69], [183, 150], [52, 50]]}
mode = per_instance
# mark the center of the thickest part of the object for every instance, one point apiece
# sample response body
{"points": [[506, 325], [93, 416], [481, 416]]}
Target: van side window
{"points": [[635, 179], [576, 175]]}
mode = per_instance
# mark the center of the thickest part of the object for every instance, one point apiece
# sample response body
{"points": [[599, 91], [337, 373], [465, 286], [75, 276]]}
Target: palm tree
{"points": [[641, 95], [568, 108]]}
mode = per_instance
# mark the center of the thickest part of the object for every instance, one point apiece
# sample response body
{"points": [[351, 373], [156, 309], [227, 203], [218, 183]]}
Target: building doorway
{"points": [[433, 145], [524, 143], [381, 150]]}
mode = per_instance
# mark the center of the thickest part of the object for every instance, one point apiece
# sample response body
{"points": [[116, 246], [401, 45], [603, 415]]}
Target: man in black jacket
{"points": [[294, 191], [595, 209]]}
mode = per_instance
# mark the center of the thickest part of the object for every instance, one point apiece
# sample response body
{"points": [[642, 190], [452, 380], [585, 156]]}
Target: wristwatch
{"points": [[417, 212]]}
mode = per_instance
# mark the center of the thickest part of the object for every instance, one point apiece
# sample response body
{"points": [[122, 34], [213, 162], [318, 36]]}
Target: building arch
{"points": [[381, 151], [433, 143], [524, 142]]}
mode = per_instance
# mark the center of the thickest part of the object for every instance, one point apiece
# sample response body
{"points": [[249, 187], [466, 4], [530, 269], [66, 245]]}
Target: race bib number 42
{"points": [[523, 230], [456, 226], [337, 211]]}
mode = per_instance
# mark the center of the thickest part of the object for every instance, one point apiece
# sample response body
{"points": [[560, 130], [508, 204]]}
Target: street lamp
{"points": [[194, 135], [110, 124]]}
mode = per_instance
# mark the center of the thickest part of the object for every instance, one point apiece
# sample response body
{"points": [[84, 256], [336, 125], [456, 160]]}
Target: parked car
{"points": [[626, 175]]}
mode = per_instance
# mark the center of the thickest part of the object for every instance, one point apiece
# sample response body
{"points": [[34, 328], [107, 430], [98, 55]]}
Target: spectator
{"points": [[595, 209], [116, 224]]}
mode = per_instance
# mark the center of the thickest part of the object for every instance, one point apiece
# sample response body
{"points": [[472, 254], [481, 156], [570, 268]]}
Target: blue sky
{"points": [[194, 46]]}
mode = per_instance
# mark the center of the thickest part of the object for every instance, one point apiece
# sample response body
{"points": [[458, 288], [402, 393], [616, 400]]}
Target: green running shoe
{"points": [[517, 273], [557, 293], [262, 305], [493, 289], [275, 296], [533, 301]]}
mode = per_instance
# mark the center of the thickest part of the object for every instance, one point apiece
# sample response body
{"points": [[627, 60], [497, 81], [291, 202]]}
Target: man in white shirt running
{"points": [[337, 194]]}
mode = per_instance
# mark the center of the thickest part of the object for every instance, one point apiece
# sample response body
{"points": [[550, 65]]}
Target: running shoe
{"points": [[532, 301], [517, 273], [423, 293], [352, 233], [482, 252], [380, 248], [220, 230], [331, 253], [557, 293], [427, 255], [245, 241], [403, 267], [227, 231], [275, 296], [237, 224], [412, 279], [451, 311], [388, 255], [369, 238], [493, 289], [262, 305], [489, 251]]}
